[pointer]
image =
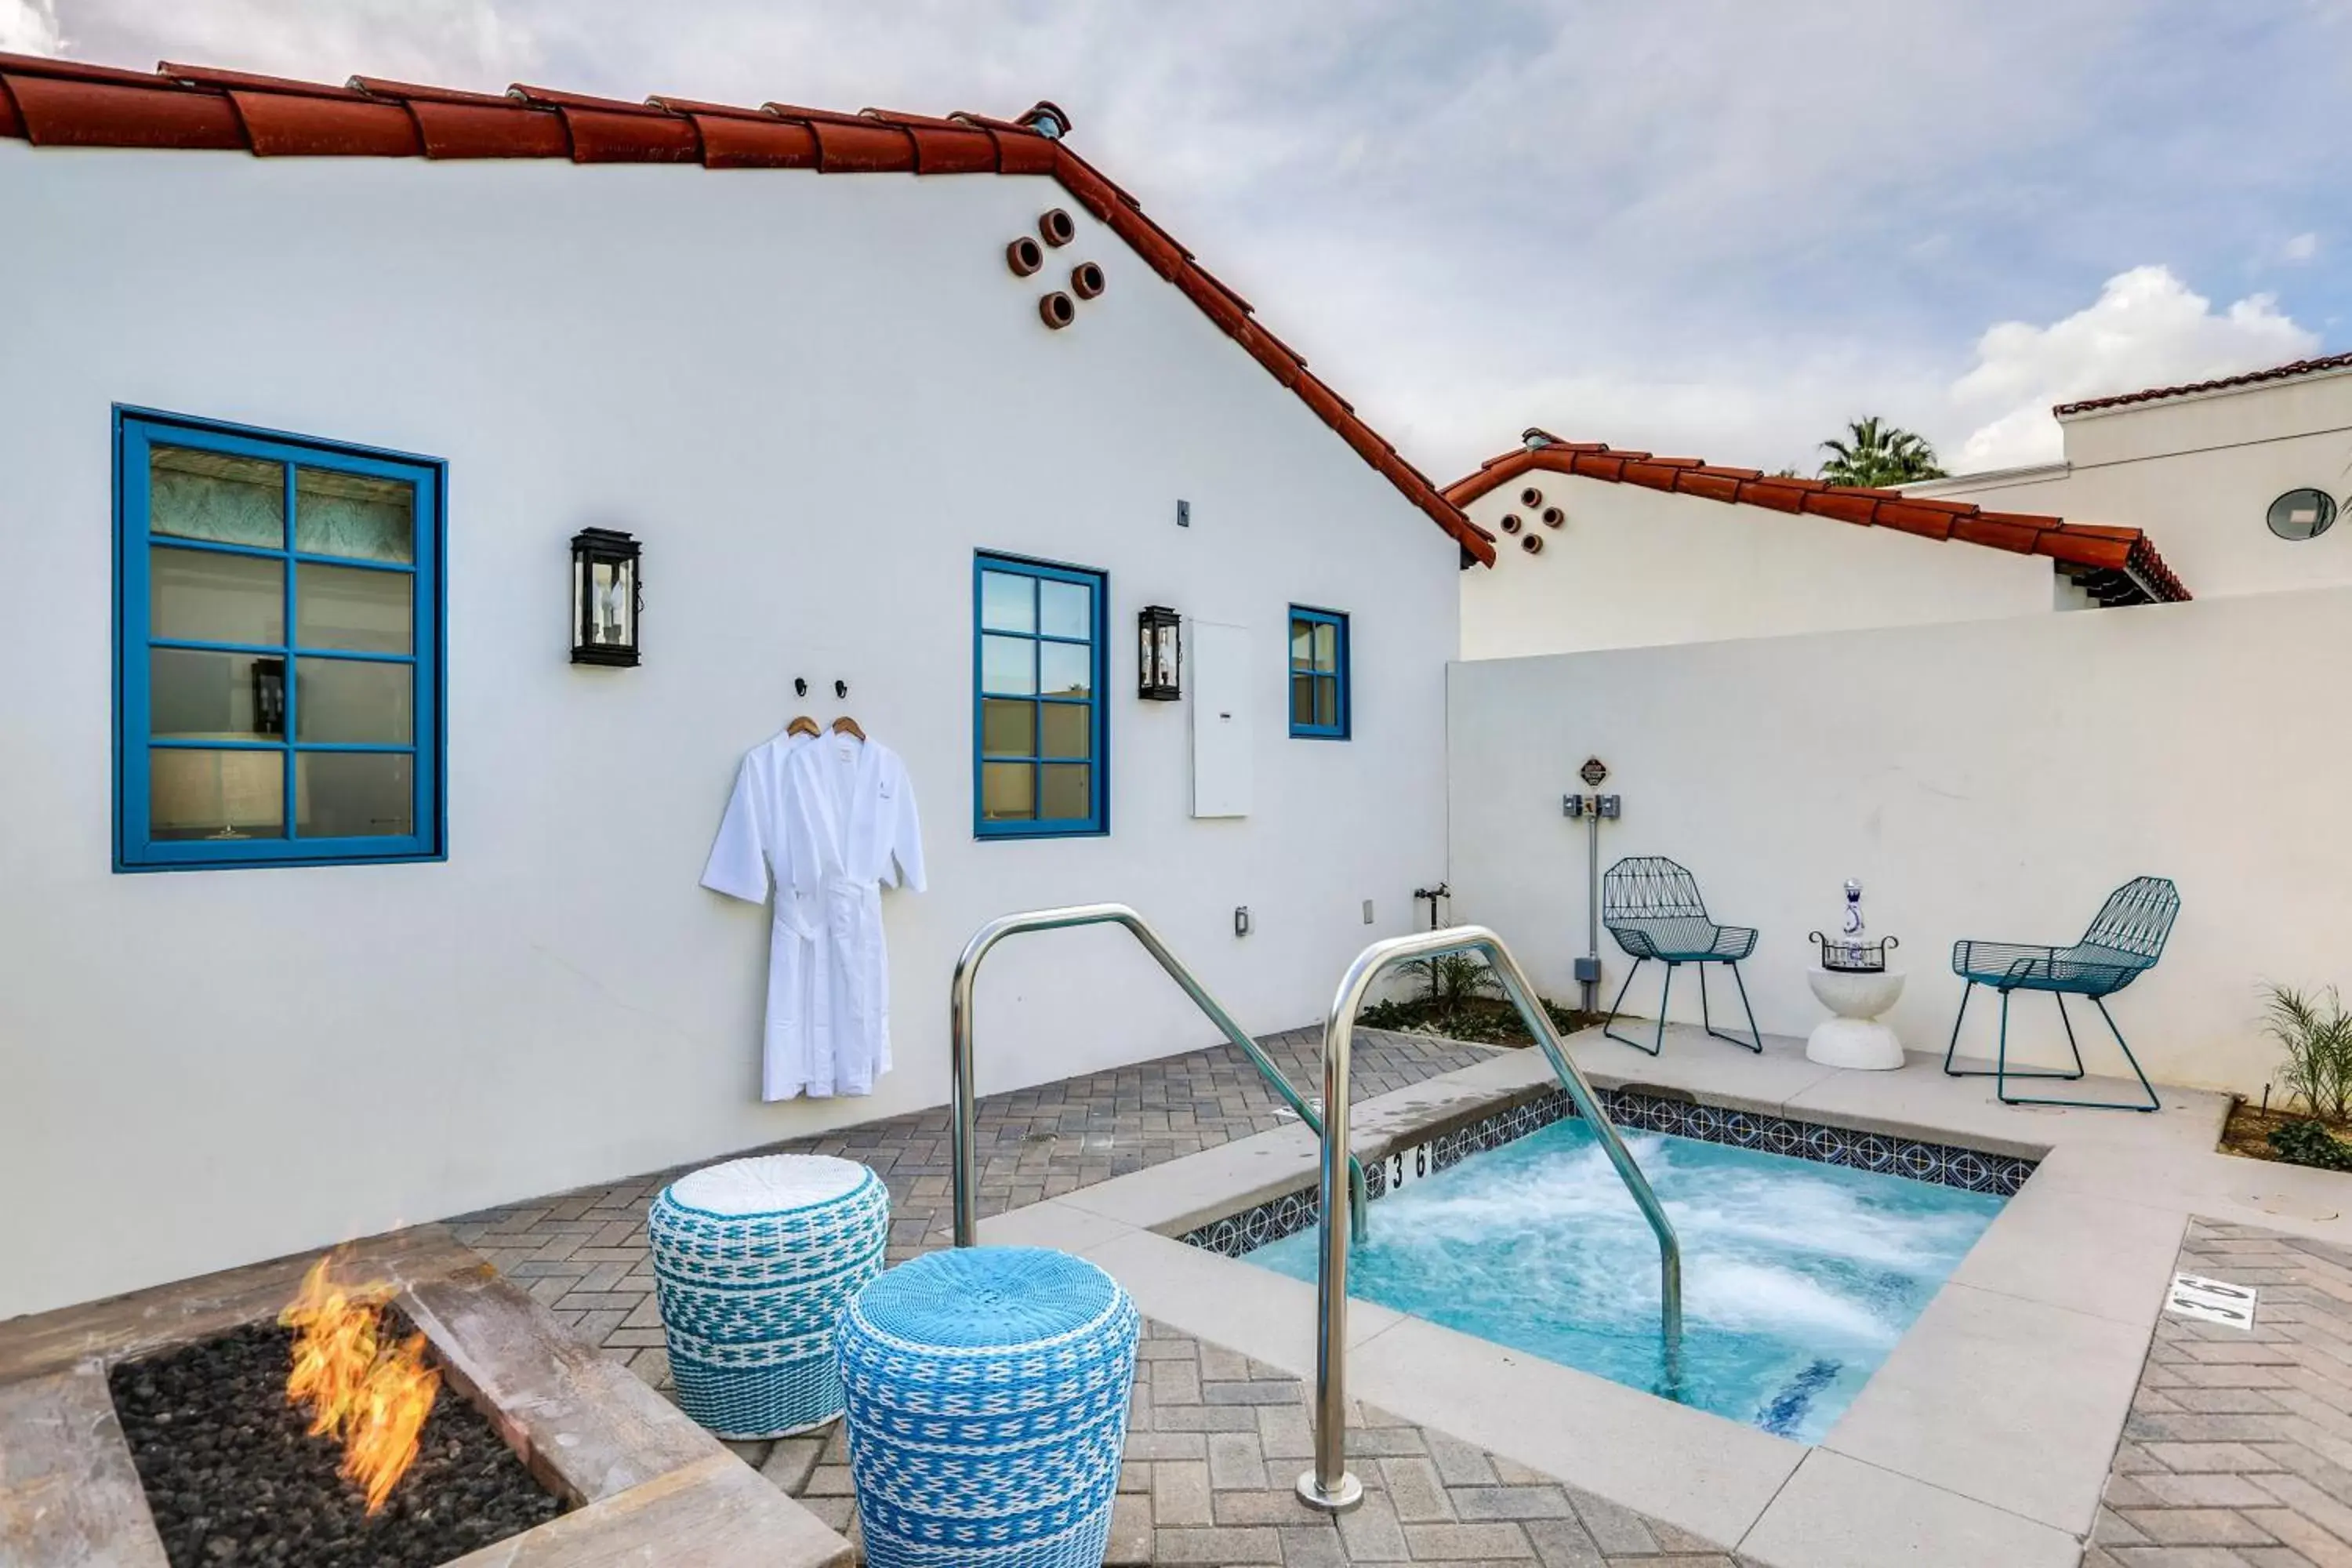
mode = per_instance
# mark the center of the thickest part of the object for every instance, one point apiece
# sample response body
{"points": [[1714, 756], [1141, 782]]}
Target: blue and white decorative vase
{"points": [[753, 1260], [988, 1390]]}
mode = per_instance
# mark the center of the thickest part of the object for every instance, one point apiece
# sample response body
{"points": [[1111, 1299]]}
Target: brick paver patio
{"points": [[2238, 1453], [1215, 1442], [2239, 1450]]}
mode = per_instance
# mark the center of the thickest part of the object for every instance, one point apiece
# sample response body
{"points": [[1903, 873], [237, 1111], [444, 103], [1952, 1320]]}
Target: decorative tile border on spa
{"points": [[1945, 1165]]}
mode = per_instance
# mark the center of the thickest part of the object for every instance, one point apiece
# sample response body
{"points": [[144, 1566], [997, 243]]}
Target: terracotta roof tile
{"points": [[409, 92], [853, 146], [953, 150], [499, 128], [2118, 566], [60, 111], [1842, 505], [67, 103], [1780, 495], [556, 98], [284, 125], [2001, 531], [1910, 517], [700, 107], [756, 141], [2251, 378], [609, 136], [73, 70], [211, 76], [1714, 487]]}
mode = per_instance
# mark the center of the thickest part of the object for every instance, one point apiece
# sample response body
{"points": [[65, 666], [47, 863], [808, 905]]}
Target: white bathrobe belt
{"points": [[843, 899]]}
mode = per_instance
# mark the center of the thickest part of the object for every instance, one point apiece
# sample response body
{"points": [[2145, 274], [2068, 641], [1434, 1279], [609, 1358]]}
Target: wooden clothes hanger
{"points": [[846, 725], [803, 725]]}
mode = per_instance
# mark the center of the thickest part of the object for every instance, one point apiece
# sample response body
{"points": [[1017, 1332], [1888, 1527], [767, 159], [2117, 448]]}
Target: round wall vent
{"points": [[1058, 311], [1086, 279], [1532, 544], [1025, 256], [2302, 514], [1056, 225], [1531, 498], [1511, 523]]}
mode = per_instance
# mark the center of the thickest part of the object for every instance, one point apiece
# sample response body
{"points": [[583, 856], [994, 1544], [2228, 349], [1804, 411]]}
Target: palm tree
{"points": [[1877, 453]]}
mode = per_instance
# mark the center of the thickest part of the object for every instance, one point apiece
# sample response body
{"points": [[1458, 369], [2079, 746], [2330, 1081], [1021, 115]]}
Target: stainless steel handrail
{"points": [[967, 972], [1328, 1486]]}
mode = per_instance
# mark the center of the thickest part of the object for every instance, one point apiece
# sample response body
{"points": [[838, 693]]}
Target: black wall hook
{"points": [[841, 688], [799, 686]]}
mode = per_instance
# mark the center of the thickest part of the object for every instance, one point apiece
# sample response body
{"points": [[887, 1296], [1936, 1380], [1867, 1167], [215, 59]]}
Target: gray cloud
{"points": [[1695, 224]]}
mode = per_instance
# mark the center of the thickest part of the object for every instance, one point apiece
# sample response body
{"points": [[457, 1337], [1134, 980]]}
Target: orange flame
{"points": [[371, 1394]]}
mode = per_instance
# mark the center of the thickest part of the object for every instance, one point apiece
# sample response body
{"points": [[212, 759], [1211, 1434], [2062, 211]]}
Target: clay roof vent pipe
{"points": [[1047, 119]]}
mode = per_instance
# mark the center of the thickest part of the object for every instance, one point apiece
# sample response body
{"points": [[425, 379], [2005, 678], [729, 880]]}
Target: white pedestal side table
{"points": [[1855, 1038]]}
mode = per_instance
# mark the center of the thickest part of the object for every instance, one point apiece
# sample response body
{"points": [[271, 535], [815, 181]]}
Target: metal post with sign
{"points": [[1591, 808]]}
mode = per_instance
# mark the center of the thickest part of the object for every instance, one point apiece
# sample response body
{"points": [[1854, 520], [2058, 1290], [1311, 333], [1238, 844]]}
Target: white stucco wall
{"points": [[812, 398], [1993, 780], [2199, 473], [1633, 567]]}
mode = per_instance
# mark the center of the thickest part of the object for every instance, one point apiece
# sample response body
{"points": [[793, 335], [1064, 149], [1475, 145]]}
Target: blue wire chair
{"points": [[2123, 943], [1652, 907]]}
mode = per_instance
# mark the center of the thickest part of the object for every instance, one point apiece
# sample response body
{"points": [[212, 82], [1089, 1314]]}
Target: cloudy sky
{"points": [[1718, 227]]}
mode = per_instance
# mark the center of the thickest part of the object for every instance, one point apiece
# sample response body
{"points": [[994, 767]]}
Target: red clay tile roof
{"points": [[65, 103], [2251, 378], [2116, 565]]}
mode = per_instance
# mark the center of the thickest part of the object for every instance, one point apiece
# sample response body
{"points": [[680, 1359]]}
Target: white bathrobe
{"points": [[828, 821]]}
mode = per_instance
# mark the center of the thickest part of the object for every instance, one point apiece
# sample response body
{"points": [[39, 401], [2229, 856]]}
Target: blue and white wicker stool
{"points": [[752, 1262], [988, 1390]]}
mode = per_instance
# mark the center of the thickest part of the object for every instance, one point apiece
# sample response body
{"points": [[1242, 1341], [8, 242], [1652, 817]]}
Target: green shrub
{"points": [[1452, 979], [2316, 1034], [2309, 1143]]}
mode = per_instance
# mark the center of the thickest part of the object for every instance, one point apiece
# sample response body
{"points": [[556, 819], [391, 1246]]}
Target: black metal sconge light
{"points": [[606, 596], [1159, 653]]}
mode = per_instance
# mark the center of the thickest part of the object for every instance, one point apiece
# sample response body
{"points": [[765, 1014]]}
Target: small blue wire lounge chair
{"points": [[2123, 943], [1651, 907]]}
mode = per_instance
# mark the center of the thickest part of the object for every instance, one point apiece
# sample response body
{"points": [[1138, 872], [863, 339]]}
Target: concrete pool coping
{"points": [[1984, 1438]]}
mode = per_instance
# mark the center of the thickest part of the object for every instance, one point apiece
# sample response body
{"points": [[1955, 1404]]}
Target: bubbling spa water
{"points": [[1797, 1278]]}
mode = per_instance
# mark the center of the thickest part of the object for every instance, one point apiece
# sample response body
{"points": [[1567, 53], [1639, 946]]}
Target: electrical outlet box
{"points": [[1588, 972], [1367, 911], [1241, 920], [1572, 805], [1183, 514], [1608, 804]]}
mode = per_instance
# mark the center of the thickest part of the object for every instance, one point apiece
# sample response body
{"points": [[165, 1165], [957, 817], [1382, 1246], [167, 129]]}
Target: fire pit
{"points": [[155, 1430], [235, 1472]]}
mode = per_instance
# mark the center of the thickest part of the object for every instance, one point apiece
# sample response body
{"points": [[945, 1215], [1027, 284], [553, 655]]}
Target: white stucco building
{"points": [[2244, 478], [442, 945], [1601, 547]]}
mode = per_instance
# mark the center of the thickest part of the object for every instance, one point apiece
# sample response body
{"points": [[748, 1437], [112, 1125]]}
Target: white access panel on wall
{"points": [[1222, 726]]}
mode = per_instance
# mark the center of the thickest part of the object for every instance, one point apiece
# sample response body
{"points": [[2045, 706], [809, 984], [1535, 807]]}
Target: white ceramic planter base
{"points": [[1855, 1038]]}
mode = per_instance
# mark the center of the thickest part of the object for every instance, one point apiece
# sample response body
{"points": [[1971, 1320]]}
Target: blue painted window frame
{"points": [[1096, 822], [135, 431], [1343, 706]]}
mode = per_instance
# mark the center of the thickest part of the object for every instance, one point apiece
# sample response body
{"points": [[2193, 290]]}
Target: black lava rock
{"points": [[235, 1480]]}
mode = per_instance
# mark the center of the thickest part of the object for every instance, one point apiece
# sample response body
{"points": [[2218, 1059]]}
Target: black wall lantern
{"points": [[1159, 655], [606, 596]]}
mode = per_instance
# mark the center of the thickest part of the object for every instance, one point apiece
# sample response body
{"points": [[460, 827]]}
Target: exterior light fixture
{"points": [[1158, 654], [607, 597]]}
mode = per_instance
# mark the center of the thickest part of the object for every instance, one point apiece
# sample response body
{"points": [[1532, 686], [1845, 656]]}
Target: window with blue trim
{"points": [[1319, 673], [1038, 721], [278, 642]]}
